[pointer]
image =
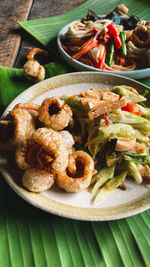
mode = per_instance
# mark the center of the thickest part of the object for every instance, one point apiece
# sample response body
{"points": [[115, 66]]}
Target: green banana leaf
{"points": [[45, 32], [32, 237], [13, 81]]}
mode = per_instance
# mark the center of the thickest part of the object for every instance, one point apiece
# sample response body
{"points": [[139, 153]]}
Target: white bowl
{"points": [[134, 74]]}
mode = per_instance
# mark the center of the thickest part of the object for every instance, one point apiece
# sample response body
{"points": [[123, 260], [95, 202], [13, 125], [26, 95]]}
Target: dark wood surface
{"points": [[15, 43]]}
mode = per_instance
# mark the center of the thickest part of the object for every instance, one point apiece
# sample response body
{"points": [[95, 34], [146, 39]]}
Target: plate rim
{"points": [[143, 205]]}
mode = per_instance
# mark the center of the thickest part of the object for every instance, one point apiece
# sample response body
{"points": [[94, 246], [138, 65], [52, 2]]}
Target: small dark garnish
{"points": [[123, 187], [65, 40], [130, 23], [91, 15]]}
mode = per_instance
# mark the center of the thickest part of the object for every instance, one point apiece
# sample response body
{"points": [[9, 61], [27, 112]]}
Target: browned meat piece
{"points": [[111, 161], [137, 148], [125, 145], [92, 93], [89, 103], [28, 106], [109, 96], [145, 171], [20, 127], [105, 107]]}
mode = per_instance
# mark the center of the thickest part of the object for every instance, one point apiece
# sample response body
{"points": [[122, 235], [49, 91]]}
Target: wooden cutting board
{"points": [[11, 12]]}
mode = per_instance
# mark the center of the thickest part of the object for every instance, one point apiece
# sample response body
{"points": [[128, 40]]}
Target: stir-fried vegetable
{"points": [[130, 96], [117, 136], [113, 183], [134, 172], [113, 131], [102, 177]]}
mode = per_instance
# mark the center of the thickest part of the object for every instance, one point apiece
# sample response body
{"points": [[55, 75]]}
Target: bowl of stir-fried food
{"points": [[114, 42], [79, 141]]}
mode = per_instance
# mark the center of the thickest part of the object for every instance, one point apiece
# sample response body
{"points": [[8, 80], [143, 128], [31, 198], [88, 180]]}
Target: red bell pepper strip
{"points": [[112, 30], [118, 42], [133, 108], [113, 33], [106, 117]]}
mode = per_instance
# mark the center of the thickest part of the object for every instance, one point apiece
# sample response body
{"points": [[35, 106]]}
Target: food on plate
{"points": [[32, 68], [113, 42], [16, 129], [78, 174], [104, 139], [54, 113], [36, 180]]}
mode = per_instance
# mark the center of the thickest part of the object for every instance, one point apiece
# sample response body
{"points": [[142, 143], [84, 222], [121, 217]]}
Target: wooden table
{"points": [[15, 43]]}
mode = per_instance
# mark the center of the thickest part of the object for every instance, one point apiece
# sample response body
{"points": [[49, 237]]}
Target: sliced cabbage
{"points": [[141, 137], [134, 172], [143, 127], [110, 186], [127, 118], [130, 96], [114, 131], [102, 177]]}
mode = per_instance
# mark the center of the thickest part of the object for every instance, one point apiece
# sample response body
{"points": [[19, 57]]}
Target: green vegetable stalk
{"points": [[123, 49], [110, 53], [133, 170], [137, 158], [102, 177], [75, 104], [110, 186], [130, 96], [127, 117]]}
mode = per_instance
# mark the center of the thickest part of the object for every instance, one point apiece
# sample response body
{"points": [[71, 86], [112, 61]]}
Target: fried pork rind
{"points": [[36, 180], [19, 128], [34, 71], [54, 113], [68, 140], [32, 68], [77, 176], [46, 150], [52, 142]]}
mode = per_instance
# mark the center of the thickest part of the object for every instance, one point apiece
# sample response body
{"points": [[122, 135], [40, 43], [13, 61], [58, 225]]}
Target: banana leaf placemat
{"points": [[31, 237]]}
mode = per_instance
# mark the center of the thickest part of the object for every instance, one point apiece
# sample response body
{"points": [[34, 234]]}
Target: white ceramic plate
{"points": [[116, 205], [134, 74]]}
